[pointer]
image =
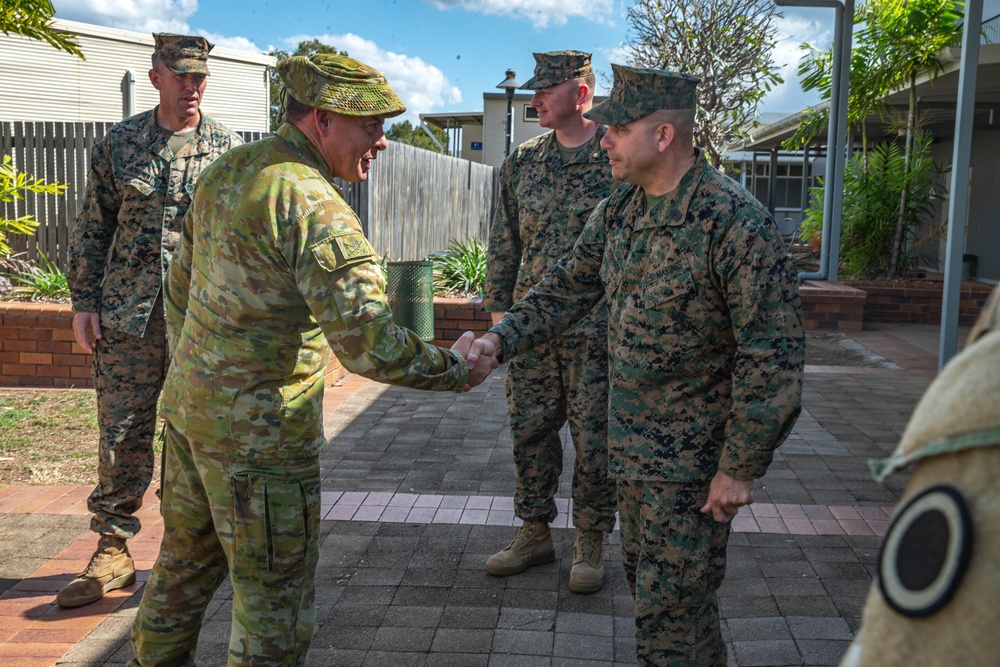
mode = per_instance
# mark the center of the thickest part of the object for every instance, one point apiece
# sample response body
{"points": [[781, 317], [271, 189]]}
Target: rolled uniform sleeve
{"points": [[503, 252], [92, 235], [340, 279], [177, 285], [564, 295], [763, 300]]}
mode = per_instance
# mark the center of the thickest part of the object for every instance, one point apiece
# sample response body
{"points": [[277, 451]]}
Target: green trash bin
{"points": [[410, 290]]}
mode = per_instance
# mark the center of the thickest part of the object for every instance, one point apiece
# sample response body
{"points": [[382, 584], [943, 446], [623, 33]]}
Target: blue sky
{"points": [[439, 55]]}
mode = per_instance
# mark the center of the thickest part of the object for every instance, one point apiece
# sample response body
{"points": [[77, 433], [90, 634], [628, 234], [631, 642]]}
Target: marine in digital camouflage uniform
{"points": [[142, 174], [706, 354], [271, 275], [548, 187]]}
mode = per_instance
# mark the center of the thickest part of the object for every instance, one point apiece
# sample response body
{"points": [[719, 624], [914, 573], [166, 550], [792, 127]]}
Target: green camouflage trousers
{"points": [[675, 559], [258, 523], [553, 383], [128, 374]]}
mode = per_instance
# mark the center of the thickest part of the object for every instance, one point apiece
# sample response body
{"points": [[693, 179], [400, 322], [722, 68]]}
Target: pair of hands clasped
{"points": [[481, 354]]}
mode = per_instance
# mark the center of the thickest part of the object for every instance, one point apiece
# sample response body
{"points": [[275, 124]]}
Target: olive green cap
{"points": [[183, 54], [554, 67], [340, 84], [636, 93]]}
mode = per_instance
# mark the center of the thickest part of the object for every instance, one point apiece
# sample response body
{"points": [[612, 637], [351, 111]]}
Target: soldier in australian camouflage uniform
{"points": [[706, 354], [142, 174], [548, 187], [272, 271]]}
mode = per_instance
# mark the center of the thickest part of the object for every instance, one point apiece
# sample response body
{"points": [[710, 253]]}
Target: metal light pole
{"points": [[510, 84]]}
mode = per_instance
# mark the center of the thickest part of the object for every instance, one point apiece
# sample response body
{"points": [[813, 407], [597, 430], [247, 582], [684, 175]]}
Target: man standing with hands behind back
{"points": [[706, 354], [142, 176], [548, 187]]}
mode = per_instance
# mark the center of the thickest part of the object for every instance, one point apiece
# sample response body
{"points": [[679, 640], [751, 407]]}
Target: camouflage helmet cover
{"points": [[636, 93], [340, 84], [554, 67], [183, 54]]}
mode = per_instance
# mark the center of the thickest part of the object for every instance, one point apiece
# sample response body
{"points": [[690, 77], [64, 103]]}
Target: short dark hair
{"points": [[683, 120], [590, 81], [294, 110]]}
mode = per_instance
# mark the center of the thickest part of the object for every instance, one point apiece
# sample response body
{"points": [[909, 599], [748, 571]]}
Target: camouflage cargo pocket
{"points": [[692, 562], [270, 517]]}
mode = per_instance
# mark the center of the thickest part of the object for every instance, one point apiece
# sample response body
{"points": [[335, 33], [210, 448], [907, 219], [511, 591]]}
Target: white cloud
{"points": [[237, 43], [138, 15], [617, 54], [793, 31], [541, 13], [146, 16], [422, 86]]}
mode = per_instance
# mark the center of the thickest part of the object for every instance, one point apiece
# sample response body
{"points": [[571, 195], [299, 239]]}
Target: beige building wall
{"points": [[495, 122], [472, 134], [40, 83]]}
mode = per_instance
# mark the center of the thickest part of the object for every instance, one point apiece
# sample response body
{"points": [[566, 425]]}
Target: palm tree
{"points": [[911, 34], [897, 40]]}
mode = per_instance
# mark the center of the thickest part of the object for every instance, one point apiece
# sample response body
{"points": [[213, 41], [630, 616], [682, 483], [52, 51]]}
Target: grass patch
{"points": [[50, 437]]}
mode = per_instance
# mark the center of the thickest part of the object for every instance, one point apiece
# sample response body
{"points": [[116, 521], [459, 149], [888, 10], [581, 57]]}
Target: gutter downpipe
{"points": [[833, 180], [772, 180], [128, 94], [844, 145]]}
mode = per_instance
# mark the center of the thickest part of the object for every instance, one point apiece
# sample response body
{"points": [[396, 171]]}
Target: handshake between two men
{"points": [[482, 355]]}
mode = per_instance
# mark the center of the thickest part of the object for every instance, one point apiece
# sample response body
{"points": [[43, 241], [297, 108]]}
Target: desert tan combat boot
{"points": [[532, 546], [587, 575], [110, 567]]}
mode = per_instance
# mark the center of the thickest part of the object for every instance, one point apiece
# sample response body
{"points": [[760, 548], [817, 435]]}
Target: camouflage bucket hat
{"points": [[636, 93], [340, 84], [183, 54], [554, 67]]}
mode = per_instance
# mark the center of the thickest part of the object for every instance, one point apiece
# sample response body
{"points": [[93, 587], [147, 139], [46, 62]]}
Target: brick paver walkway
{"points": [[412, 480]]}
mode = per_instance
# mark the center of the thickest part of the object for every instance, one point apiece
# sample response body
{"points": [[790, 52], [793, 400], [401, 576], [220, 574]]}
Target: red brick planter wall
{"points": [[825, 306], [453, 317], [830, 306], [37, 348], [919, 302]]}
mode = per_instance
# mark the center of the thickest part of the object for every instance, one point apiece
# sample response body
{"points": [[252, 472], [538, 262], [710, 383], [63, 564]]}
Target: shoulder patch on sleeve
{"points": [[335, 252], [354, 245]]}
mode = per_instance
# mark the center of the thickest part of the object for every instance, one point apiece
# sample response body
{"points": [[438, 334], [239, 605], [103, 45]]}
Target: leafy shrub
{"points": [[812, 223], [461, 269], [35, 283], [872, 188], [13, 185]]}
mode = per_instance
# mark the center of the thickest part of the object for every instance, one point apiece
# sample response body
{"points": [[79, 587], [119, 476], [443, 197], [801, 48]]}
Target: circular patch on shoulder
{"points": [[926, 552]]}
